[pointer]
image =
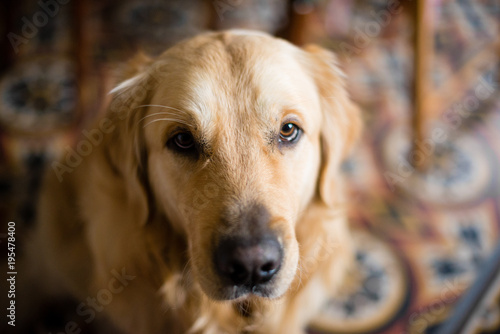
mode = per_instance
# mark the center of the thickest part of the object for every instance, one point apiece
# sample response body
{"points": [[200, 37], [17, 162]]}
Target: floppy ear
{"points": [[124, 148], [341, 123]]}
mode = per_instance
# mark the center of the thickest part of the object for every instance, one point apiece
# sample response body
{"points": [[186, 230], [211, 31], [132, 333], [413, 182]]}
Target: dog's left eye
{"points": [[289, 133]]}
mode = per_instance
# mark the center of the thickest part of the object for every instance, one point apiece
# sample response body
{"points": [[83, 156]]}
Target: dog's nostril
{"points": [[266, 272], [268, 267], [238, 273]]}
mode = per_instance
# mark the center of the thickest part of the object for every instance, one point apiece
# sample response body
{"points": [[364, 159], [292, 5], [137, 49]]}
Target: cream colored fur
{"points": [[134, 204]]}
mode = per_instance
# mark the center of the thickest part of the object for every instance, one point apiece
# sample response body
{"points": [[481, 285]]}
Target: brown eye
{"points": [[289, 132], [184, 143], [184, 140]]}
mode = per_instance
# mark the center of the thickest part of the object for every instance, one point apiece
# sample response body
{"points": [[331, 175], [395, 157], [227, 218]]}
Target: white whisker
{"points": [[168, 119], [160, 106], [158, 113]]}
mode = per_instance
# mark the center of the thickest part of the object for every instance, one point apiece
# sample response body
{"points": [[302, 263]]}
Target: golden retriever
{"points": [[208, 198]]}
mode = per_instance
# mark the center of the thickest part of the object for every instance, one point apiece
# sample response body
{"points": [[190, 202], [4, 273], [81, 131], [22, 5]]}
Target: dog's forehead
{"points": [[250, 76]]}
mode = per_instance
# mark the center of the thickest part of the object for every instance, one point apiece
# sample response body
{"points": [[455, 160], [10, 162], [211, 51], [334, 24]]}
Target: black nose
{"points": [[244, 261]]}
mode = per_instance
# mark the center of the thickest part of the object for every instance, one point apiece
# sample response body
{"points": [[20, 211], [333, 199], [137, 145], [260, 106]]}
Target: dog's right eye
{"points": [[182, 142]]}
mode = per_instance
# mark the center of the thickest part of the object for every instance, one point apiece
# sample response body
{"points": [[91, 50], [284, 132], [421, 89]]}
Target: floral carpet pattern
{"points": [[423, 235]]}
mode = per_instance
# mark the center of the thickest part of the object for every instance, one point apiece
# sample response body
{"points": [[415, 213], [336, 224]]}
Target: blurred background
{"points": [[424, 181]]}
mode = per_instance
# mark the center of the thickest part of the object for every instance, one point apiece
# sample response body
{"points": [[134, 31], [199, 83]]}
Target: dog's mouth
{"points": [[241, 293]]}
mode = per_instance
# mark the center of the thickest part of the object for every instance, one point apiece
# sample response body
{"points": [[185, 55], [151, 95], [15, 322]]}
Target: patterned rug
{"points": [[423, 236]]}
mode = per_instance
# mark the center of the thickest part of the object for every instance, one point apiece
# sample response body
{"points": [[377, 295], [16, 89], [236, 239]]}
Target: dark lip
{"points": [[244, 291]]}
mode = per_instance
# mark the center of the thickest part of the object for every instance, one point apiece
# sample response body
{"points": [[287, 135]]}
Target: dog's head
{"points": [[234, 134]]}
